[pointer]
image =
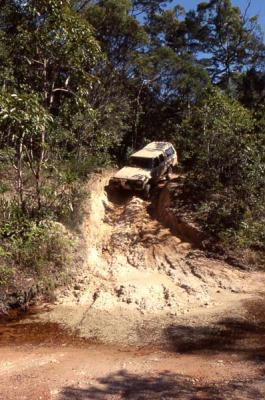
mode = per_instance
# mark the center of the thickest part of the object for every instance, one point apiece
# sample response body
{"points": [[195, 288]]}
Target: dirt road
{"points": [[155, 318]]}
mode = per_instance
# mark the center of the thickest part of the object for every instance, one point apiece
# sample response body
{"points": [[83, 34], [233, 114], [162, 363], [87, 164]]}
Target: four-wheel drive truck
{"points": [[146, 167]]}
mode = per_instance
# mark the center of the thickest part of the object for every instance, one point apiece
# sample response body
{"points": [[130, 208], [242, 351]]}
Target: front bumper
{"points": [[127, 184]]}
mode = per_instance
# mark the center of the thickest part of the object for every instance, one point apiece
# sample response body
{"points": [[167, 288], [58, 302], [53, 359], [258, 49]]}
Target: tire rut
{"points": [[141, 271]]}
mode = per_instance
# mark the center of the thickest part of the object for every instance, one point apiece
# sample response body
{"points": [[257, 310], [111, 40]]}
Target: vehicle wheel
{"points": [[147, 191], [169, 172]]}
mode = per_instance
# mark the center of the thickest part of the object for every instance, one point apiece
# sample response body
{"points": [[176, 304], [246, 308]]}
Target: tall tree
{"points": [[52, 51], [230, 40]]}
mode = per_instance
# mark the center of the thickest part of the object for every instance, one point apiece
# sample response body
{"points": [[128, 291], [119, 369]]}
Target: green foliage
{"points": [[119, 33], [221, 141], [40, 248], [6, 273], [225, 170], [82, 84], [229, 38], [21, 116], [3, 188], [51, 53], [250, 233]]}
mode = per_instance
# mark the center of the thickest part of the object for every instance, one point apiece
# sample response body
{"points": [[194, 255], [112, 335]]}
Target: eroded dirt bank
{"points": [[153, 317], [139, 277]]}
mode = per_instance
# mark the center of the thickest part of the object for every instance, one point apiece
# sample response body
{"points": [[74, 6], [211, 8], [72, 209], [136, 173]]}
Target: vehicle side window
{"points": [[156, 162], [169, 151]]}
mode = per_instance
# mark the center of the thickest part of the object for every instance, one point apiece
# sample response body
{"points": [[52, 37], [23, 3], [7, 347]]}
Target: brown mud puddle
{"points": [[20, 328]]}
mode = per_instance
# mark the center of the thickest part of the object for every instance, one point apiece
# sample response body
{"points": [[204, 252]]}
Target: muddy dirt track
{"points": [[149, 317]]}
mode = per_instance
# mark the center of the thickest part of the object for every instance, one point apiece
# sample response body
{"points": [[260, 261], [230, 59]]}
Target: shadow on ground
{"points": [[124, 385], [118, 196], [244, 336]]}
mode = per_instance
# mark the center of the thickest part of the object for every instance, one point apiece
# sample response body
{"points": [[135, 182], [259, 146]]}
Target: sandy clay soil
{"points": [[149, 317]]}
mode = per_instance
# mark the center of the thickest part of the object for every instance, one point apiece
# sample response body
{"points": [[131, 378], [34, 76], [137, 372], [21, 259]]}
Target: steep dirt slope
{"points": [[193, 327], [138, 278]]}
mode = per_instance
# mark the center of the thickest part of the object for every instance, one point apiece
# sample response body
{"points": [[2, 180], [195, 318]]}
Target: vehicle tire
{"points": [[169, 172], [147, 191]]}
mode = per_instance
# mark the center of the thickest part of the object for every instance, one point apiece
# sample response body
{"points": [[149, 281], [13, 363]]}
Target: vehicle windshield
{"points": [[141, 162]]}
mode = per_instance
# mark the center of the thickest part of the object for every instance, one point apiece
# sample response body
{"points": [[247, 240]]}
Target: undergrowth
{"points": [[41, 243]]}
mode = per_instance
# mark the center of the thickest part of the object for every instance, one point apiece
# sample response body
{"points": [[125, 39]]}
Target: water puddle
{"points": [[20, 328]]}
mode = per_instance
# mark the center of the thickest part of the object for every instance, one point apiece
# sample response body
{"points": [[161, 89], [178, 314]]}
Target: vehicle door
{"points": [[158, 167], [162, 165]]}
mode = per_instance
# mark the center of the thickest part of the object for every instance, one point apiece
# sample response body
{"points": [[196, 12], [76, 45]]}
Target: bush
{"points": [[6, 273], [41, 248], [225, 176]]}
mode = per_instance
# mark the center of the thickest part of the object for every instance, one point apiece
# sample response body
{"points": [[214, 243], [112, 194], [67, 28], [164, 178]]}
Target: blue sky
{"points": [[257, 7]]}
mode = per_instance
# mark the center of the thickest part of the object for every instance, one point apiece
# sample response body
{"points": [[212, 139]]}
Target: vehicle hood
{"points": [[133, 173]]}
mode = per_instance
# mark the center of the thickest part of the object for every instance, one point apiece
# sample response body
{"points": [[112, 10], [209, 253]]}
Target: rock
{"points": [[188, 289], [77, 287], [120, 291]]}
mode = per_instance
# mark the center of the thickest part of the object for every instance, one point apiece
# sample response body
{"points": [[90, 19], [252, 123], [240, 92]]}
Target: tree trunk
{"points": [[38, 174], [19, 168]]}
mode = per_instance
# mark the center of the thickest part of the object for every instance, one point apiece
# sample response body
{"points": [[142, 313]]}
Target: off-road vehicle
{"points": [[146, 167]]}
